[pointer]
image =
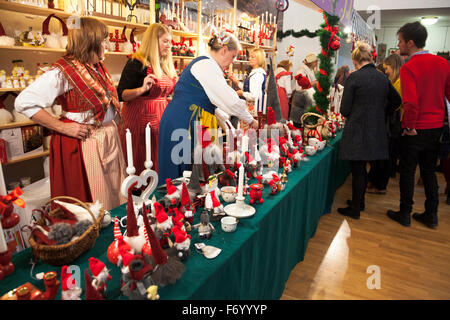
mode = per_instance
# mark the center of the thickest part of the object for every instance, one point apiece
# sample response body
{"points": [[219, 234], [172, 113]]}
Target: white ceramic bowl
{"points": [[228, 193], [229, 224]]}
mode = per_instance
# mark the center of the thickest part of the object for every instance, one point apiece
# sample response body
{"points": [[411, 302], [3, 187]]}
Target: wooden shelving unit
{"points": [[10, 89], [16, 125], [28, 157]]}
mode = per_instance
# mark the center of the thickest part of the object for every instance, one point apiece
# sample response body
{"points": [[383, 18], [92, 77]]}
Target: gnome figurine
{"points": [[100, 274], [182, 243], [91, 293], [186, 205], [70, 290], [205, 228], [173, 194], [167, 269], [133, 238], [213, 205]]}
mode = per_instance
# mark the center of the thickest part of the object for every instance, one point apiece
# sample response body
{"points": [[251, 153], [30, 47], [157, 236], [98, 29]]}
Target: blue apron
{"points": [[189, 100]]}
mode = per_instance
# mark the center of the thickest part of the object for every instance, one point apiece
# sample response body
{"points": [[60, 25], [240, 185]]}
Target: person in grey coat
{"points": [[367, 96]]}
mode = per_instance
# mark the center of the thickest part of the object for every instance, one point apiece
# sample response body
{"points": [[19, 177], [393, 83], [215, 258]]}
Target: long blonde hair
{"points": [[149, 51]]}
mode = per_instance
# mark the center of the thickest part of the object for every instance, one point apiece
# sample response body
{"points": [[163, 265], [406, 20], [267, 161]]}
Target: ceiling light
{"points": [[428, 21]]}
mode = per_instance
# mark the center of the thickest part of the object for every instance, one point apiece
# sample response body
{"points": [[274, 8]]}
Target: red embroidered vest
{"points": [[93, 90]]}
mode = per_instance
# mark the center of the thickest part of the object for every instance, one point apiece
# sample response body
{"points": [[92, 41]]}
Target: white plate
{"points": [[239, 211]]}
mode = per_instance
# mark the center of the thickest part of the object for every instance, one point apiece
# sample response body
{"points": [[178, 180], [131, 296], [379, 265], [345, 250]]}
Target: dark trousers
{"points": [[381, 170], [359, 183], [446, 170], [421, 149]]}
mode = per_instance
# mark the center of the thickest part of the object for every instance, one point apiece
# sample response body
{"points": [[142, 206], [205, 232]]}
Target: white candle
{"points": [[267, 16], [3, 191], [130, 167], [274, 20], [244, 144], [270, 18], [241, 182], [148, 143], [3, 246]]}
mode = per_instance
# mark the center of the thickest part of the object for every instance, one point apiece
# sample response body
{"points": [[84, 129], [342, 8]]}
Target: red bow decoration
{"points": [[323, 72], [334, 43], [13, 197]]}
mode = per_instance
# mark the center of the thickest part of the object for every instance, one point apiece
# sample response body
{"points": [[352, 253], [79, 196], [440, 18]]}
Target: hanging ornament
{"points": [[290, 51]]}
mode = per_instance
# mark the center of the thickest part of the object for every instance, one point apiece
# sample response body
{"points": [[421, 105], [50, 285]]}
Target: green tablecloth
{"points": [[255, 261]]}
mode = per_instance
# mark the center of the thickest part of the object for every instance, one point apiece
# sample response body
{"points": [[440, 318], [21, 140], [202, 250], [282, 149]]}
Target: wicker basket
{"points": [[66, 253], [309, 114]]}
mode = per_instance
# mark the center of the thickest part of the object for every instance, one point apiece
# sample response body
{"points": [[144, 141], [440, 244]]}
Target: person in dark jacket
{"points": [[368, 95]]}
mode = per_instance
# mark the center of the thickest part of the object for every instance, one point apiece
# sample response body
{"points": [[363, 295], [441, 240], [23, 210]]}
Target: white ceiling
{"points": [[400, 17], [360, 5]]}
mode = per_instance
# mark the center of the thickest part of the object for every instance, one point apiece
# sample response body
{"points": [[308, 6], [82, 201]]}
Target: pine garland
{"points": [[325, 66], [296, 34]]}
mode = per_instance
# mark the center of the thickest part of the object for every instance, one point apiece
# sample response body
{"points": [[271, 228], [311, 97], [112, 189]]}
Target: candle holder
{"points": [[148, 177], [240, 209]]}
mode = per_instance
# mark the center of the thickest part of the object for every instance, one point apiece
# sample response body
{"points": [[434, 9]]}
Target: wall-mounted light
{"points": [[348, 29], [428, 21]]}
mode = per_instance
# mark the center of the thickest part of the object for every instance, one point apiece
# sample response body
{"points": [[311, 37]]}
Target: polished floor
{"points": [[375, 257]]}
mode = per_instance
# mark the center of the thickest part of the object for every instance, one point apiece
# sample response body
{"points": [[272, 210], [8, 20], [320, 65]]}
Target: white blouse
{"points": [[227, 101], [43, 92], [255, 84], [284, 81]]}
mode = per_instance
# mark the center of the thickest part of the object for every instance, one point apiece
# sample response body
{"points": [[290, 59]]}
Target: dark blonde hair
{"points": [[84, 41], [362, 52], [286, 64], [260, 56], [395, 62]]}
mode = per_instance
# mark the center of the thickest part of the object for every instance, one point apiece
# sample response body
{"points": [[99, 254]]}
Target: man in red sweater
{"points": [[425, 81]]}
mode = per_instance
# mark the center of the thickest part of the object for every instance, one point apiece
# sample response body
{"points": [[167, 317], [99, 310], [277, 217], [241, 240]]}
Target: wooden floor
{"points": [[413, 262]]}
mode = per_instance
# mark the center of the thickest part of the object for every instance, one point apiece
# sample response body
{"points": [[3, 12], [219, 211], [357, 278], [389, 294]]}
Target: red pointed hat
{"points": [[68, 282], [159, 255], [132, 227], [170, 187], [90, 293], [185, 199], [180, 235], [270, 116], [160, 213], [96, 266]]}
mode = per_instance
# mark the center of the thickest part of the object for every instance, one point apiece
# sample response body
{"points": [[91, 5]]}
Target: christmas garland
{"points": [[296, 34], [330, 42]]}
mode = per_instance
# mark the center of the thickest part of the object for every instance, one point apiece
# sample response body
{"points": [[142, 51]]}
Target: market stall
{"points": [[171, 241]]}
